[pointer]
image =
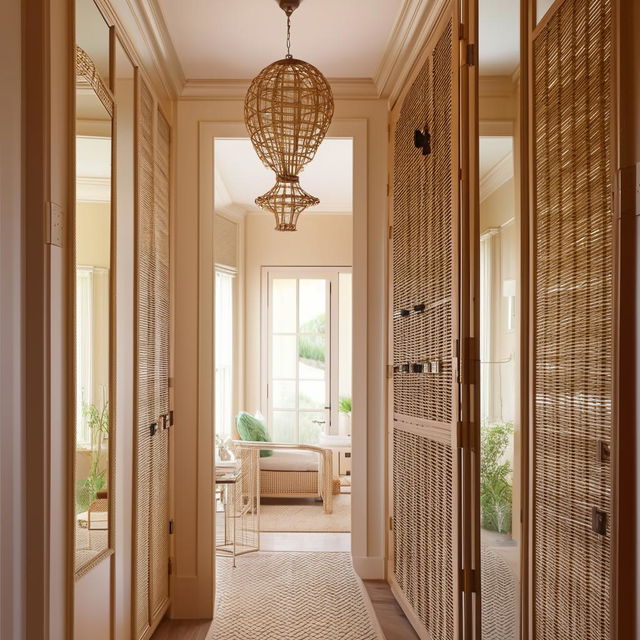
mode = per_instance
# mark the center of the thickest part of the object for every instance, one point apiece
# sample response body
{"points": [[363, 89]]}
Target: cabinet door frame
{"points": [[448, 10]]}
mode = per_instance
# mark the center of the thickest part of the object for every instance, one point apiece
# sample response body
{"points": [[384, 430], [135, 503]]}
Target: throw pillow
{"points": [[253, 430]]}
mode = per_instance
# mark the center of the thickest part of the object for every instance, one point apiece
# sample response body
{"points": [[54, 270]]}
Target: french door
{"points": [[300, 368]]}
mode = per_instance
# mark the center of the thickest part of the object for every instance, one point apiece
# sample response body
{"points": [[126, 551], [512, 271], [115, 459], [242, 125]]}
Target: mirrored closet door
{"points": [[93, 288]]}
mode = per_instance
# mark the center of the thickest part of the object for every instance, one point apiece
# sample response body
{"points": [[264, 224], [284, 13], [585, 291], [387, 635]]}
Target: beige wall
{"points": [[321, 240], [193, 451], [12, 448], [497, 212], [93, 228]]}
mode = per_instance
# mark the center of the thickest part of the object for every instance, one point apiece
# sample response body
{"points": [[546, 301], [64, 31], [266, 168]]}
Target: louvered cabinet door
{"points": [[151, 457], [146, 401], [159, 522], [573, 297], [424, 283]]}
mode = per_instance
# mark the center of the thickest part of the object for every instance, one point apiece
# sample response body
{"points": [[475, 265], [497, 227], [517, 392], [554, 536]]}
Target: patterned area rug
{"points": [[291, 596], [307, 517], [500, 610]]}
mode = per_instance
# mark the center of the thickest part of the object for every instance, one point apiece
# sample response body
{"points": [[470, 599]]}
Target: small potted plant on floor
{"points": [[344, 422]]}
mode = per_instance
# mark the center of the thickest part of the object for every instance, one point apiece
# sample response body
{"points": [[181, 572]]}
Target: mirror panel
{"points": [[93, 36], [93, 285]]}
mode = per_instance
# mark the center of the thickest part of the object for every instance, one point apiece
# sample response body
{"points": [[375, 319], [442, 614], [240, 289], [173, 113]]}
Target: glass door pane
{"points": [[299, 361]]}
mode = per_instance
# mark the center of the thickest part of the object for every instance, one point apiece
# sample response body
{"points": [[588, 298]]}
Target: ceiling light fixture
{"points": [[287, 110]]}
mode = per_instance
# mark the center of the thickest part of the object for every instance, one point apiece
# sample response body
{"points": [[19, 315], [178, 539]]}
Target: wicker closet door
{"points": [[573, 300], [146, 400], [159, 536], [424, 464], [151, 502]]}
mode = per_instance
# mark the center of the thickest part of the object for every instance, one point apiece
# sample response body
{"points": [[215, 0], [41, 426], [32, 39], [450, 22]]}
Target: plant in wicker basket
{"points": [[288, 110]]}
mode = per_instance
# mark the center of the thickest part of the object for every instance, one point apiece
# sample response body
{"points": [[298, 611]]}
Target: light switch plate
{"points": [[54, 224]]}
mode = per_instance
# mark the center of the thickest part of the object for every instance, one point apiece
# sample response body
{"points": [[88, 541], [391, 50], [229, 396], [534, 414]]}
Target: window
{"points": [[224, 340], [84, 355]]}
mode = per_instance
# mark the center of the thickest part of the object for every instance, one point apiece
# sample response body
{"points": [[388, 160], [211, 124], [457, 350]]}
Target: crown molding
{"points": [[144, 34], [500, 173], [236, 89], [93, 189], [496, 86], [407, 39]]}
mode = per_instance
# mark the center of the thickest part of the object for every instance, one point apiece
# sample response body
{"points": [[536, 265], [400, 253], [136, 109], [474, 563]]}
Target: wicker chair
{"points": [[294, 484]]}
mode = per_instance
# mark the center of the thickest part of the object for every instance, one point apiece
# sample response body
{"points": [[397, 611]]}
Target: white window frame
{"points": [[232, 274], [332, 337], [84, 351]]}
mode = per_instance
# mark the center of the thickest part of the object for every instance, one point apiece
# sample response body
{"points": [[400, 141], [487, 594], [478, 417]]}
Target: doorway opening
{"points": [[283, 355], [500, 300]]}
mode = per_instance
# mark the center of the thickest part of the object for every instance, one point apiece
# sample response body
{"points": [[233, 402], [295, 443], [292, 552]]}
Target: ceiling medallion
{"points": [[287, 110]]}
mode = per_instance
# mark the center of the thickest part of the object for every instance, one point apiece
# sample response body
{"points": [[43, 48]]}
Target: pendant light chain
{"points": [[289, 56]]}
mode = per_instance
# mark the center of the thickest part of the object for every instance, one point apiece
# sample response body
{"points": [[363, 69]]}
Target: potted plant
{"points": [[495, 478], [88, 488], [344, 420]]}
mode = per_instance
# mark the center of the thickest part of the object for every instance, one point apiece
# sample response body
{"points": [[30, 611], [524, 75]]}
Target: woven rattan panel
{"points": [[574, 321], [422, 242], [159, 534], [147, 410], [423, 529]]}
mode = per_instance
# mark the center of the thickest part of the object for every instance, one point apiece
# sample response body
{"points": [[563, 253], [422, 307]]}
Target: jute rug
{"points": [[292, 596], [307, 518]]}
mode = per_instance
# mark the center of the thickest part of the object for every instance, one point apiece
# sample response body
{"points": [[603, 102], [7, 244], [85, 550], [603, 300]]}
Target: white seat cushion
{"points": [[290, 460]]}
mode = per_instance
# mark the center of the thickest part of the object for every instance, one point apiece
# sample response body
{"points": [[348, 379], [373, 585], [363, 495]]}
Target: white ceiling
{"points": [[493, 150], [234, 39], [241, 177], [496, 164], [93, 169], [499, 37]]}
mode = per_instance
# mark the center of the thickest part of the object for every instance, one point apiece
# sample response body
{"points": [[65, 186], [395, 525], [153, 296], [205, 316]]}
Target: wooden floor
{"points": [[390, 615], [392, 619], [182, 630]]}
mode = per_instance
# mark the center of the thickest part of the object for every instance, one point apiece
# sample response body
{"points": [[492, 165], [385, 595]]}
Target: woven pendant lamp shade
{"points": [[288, 109], [286, 200]]}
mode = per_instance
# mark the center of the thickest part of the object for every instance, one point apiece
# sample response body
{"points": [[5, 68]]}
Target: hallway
{"points": [[323, 575], [319, 319]]}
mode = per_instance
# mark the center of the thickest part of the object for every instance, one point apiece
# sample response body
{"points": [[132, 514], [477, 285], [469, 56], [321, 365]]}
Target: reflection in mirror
{"points": [[94, 110], [499, 256], [93, 37], [542, 6]]}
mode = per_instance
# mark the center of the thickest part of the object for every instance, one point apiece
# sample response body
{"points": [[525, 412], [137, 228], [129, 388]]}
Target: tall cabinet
{"points": [[425, 558], [154, 418]]}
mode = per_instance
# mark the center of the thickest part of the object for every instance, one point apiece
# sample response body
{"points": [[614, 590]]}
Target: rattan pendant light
{"points": [[288, 109]]}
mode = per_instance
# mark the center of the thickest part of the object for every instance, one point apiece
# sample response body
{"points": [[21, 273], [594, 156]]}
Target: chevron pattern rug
{"points": [[500, 608], [291, 596]]}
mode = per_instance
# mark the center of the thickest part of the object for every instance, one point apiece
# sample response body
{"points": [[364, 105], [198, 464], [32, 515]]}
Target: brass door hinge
{"points": [[390, 232], [391, 523], [470, 361], [466, 435], [170, 566], [471, 55], [170, 527], [469, 580]]}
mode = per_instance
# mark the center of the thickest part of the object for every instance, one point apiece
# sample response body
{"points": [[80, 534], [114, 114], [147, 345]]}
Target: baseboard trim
{"points": [[369, 567]]}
